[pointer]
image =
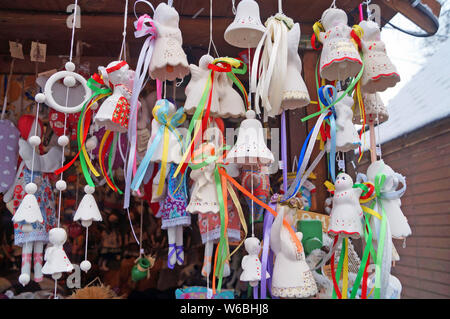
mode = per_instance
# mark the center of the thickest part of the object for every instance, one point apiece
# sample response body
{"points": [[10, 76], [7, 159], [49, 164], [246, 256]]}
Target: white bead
{"points": [[56, 275], [24, 279], [61, 185], [250, 114], [27, 228], [34, 140], [91, 143], [31, 188], [89, 189], [69, 81], [63, 140], [86, 223], [40, 98], [85, 265], [70, 66]]}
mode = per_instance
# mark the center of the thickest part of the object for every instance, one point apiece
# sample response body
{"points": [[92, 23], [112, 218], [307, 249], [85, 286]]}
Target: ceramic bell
{"points": [[374, 107], [390, 199], [295, 93], [114, 112], [346, 213], [347, 138], [87, 210], [340, 58], [250, 147], [169, 61], [379, 72], [230, 102], [194, 89], [29, 211], [56, 261], [246, 30], [9, 139], [251, 265]]}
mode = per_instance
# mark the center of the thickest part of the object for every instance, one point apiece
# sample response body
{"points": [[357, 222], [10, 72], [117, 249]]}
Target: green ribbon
{"points": [[340, 265], [112, 150]]}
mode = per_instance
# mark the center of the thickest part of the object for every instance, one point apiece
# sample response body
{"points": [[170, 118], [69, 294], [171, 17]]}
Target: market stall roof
{"points": [[102, 24]]}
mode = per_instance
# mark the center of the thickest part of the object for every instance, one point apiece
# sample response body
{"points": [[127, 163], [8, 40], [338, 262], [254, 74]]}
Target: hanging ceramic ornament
{"points": [[347, 138], [390, 198], [340, 58], [194, 89], [230, 102], [379, 73], [291, 277], [169, 61], [346, 213], [56, 261], [251, 265], [250, 147], [295, 93], [246, 30], [374, 110], [113, 113], [87, 212]]}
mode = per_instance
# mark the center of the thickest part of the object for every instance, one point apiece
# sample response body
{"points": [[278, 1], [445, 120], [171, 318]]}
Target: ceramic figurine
{"points": [[251, 265], [114, 112], [56, 261], [390, 199], [374, 109], [194, 89], [346, 213], [32, 242], [295, 93], [340, 58], [347, 138], [230, 102], [169, 61], [291, 277], [379, 73]]}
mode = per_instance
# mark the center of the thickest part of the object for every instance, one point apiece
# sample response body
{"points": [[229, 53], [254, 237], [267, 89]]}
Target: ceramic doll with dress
{"points": [[295, 93], [230, 102], [347, 138], [33, 242], [169, 61], [56, 261], [251, 265], [340, 58], [291, 277], [113, 113], [374, 109], [346, 213], [379, 73]]}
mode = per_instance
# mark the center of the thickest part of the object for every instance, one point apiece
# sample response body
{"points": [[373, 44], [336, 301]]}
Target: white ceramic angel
{"points": [[390, 198], [169, 60], [374, 109], [347, 138], [114, 112], [56, 261], [291, 277], [379, 72], [346, 214], [340, 58], [251, 265], [295, 93], [195, 88], [230, 102]]}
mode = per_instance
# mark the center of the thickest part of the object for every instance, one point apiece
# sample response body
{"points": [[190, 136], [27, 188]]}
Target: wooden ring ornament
{"points": [[50, 101]]}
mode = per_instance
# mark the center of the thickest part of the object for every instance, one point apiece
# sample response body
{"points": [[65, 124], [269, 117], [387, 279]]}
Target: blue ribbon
{"points": [[327, 95]]}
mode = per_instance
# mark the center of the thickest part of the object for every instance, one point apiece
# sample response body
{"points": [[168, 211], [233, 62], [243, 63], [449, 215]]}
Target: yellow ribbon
{"points": [[236, 202], [345, 274], [317, 28]]}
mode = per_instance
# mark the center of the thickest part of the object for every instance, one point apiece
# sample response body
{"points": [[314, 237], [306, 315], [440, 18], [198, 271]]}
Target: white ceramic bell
{"points": [[246, 30], [374, 107], [56, 260], [295, 93], [87, 210], [28, 210], [250, 147]]}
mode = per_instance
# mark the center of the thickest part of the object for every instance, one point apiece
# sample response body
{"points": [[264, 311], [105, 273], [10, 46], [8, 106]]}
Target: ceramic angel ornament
{"points": [[379, 72], [251, 265], [230, 102], [340, 58], [347, 138], [292, 277], [295, 93], [346, 213], [169, 61], [113, 114], [390, 198], [56, 261], [374, 109], [196, 86]]}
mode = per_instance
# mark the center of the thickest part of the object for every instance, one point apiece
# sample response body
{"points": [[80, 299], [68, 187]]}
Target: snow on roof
{"points": [[424, 99]]}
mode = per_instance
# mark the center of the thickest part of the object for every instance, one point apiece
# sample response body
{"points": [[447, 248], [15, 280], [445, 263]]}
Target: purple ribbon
{"points": [[267, 256], [284, 151]]}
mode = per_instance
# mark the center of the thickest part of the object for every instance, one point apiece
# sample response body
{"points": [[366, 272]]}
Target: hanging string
{"points": [[86, 244], [249, 79], [253, 203], [280, 6], [211, 41], [73, 30], [124, 34], [36, 123], [5, 98], [141, 251], [378, 136]]}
